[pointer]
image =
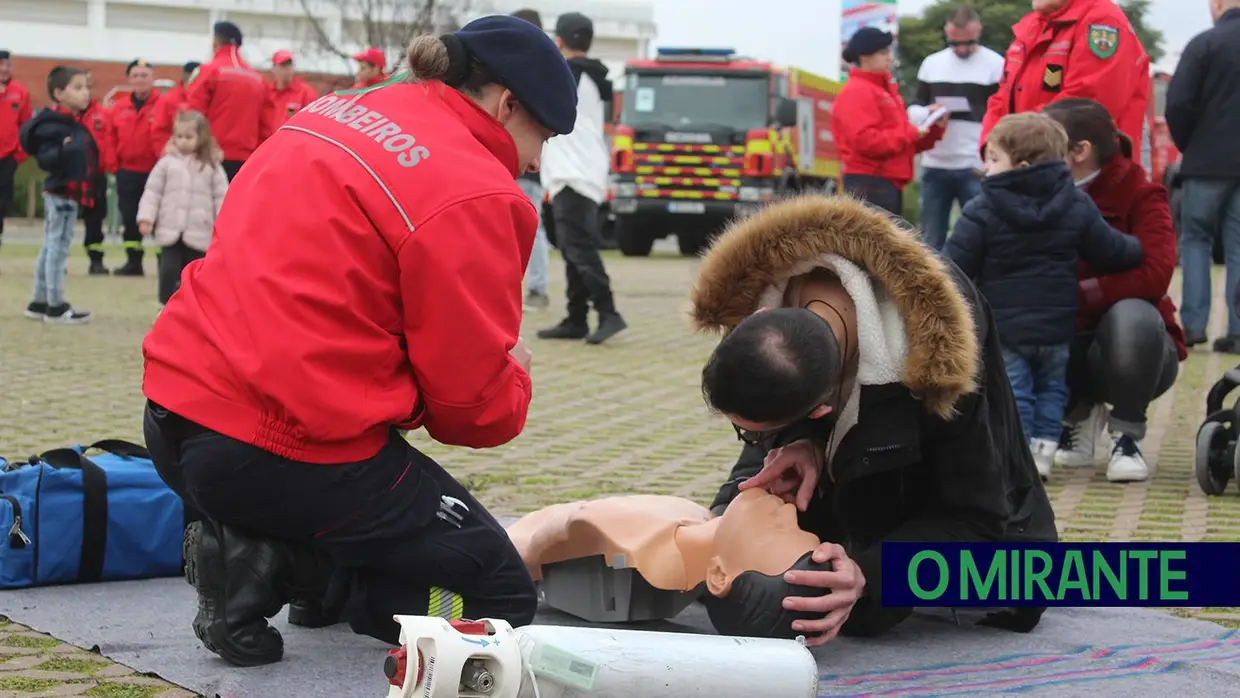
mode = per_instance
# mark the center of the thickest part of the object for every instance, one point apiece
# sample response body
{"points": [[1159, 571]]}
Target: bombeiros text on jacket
{"points": [[383, 130]]}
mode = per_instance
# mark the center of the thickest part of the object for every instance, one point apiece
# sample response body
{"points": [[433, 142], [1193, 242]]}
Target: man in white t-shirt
{"points": [[574, 172], [961, 78]]}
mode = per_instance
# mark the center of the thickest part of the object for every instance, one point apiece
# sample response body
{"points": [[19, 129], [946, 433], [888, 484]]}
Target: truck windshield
{"points": [[696, 100]]}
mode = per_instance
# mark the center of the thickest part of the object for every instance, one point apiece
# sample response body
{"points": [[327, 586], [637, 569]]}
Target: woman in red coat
{"points": [[871, 129], [1129, 345]]}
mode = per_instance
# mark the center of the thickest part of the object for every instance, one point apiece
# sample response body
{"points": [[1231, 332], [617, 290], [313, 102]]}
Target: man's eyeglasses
{"points": [[958, 44], [757, 439]]}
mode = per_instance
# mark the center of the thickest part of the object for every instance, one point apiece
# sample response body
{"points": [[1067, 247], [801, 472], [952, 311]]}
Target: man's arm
{"points": [[24, 114], [461, 275], [1184, 93], [923, 96], [200, 90], [161, 126]]}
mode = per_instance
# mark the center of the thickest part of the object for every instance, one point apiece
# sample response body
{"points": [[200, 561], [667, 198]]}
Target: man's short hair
{"points": [[58, 78], [5, 55], [575, 30], [1030, 137], [529, 15], [963, 16], [227, 33]]}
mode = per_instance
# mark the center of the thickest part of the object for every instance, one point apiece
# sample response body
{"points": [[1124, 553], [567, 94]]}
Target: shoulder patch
{"points": [[1103, 40]]}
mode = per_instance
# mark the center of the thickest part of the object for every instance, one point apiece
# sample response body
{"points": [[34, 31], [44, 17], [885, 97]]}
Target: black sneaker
{"points": [[1227, 345], [536, 301], [609, 326], [130, 268], [1192, 339], [36, 310], [97, 268], [567, 329], [64, 314]]}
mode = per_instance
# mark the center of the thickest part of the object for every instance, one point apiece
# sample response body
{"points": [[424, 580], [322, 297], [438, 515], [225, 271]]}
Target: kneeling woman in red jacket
{"points": [[1129, 346], [364, 279], [871, 128]]}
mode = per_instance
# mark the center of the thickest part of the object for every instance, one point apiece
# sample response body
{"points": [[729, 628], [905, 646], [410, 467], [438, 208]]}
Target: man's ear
{"points": [[820, 412], [717, 581]]}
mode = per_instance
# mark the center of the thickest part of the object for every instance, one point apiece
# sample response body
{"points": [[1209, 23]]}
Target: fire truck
{"points": [[704, 136]]}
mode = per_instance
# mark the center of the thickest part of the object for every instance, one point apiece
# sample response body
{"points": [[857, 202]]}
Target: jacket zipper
{"points": [[17, 537]]}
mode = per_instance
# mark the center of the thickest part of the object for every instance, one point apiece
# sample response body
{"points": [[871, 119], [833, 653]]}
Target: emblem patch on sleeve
{"points": [[1052, 78], [1103, 40]]}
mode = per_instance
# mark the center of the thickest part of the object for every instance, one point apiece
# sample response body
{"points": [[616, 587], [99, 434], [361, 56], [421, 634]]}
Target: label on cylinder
{"points": [[564, 667]]}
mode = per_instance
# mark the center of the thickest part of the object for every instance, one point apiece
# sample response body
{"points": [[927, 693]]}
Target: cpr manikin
{"points": [[738, 559]]}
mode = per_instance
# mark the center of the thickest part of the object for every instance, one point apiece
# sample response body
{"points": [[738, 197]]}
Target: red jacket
{"points": [[872, 130], [129, 134], [1086, 49], [288, 101], [97, 119], [402, 311], [14, 111], [235, 100], [170, 104], [1133, 204]]}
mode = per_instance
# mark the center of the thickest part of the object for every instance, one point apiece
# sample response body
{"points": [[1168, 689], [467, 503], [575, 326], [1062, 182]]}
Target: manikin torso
{"points": [[673, 543]]}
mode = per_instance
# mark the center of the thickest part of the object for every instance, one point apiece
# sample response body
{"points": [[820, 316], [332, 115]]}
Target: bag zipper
{"points": [[17, 537]]}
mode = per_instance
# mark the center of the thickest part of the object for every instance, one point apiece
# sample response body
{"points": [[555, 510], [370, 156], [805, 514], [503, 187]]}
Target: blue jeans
{"points": [[1039, 378], [59, 216], [1209, 206], [536, 273], [939, 189]]}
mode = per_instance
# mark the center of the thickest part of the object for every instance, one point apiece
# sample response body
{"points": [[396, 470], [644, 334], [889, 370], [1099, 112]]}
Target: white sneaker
{"points": [[1043, 455], [1127, 464], [1079, 441]]}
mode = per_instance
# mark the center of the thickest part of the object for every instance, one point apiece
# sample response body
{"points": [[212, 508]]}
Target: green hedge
{"points": [[28, 175], [912, 202]]}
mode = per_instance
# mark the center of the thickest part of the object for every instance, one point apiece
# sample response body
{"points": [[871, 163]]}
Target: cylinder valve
{"points": [[396, 666]]}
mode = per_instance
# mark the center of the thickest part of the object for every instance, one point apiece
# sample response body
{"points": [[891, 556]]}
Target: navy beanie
{"points": [[521, 57], [866, 42]]}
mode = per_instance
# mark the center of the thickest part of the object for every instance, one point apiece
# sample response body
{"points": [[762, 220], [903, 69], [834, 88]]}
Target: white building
{"points": [[175, 31]]}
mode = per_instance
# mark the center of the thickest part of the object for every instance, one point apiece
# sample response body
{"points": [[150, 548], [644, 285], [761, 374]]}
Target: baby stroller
{"points": [[1217, 457]]}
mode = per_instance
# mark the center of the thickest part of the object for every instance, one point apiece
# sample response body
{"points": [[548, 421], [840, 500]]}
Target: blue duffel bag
{"points": [[76, 519]]}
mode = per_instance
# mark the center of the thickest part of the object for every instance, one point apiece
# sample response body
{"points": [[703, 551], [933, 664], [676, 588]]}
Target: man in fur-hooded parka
{"points": [[929, 445]]}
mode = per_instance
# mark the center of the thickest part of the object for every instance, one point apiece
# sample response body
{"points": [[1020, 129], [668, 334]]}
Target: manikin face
{"points": [[758, 532], [140, 79], [526, 132], [964, 40]]}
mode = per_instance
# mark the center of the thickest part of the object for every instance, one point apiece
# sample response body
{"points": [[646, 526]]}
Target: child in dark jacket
{"points": [[65, 150], [1022, 241]]}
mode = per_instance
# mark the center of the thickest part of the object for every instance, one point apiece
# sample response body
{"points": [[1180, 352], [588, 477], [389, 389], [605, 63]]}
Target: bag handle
{"points": [[124, 449], [94, 509]]}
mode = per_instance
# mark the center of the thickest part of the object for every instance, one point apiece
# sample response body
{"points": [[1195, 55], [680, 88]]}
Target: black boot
{"points": [[609, 325], [96, 264], [568, 328], [238, 579], [318, 590], [132, 266]]}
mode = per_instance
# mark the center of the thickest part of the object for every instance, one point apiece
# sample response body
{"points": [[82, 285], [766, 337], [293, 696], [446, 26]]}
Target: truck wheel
{"points": [[632, 240], [692, 244]]}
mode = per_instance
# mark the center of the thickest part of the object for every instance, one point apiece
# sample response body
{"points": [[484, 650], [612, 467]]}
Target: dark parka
{"points": [[1022, 242], [1203, 102], [62, 146], [939, 456]]}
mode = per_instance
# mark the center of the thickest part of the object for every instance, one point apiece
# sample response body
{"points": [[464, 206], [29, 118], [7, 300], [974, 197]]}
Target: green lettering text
{"points": [[971, 578], [1037, 577], [944, 577], [1143, 558], [1073, 576], [1167, 575], [1102, 568]]}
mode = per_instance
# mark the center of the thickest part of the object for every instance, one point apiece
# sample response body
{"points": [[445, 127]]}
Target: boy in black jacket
{"points": [[1021, 241], [66, 151]]}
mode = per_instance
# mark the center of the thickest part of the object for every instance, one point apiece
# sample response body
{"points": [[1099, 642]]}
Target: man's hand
{"points": [[846, 583], [790, 472], [522, 354], [144, 227]]}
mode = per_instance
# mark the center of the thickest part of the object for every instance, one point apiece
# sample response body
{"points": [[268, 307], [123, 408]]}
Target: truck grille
{"points": [[688, 171]]}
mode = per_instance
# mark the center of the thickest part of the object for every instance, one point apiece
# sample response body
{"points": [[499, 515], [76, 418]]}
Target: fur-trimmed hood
{"points": [[751, 263]]}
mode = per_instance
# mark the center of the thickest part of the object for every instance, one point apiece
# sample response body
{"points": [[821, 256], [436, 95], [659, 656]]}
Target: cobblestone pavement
{"points": [[621, 418]]}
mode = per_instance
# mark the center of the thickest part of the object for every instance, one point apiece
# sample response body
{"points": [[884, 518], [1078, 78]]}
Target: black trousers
{"points": [[406, 537], [129, 187], [231, 167], [876, 191], [172, 261], [94, 217], [1128, 361], [8, 168], [577, 231]]}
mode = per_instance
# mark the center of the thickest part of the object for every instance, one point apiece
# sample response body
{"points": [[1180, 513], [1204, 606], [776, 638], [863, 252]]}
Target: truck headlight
{"points": [[749, 194], [625, 190]]}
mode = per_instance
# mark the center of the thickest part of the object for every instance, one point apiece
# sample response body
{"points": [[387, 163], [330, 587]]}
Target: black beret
{"points": [[521, 57], [866, 42], [229, 32], [135, 63]]}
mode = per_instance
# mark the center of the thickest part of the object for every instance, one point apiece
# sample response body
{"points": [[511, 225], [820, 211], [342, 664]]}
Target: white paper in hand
{"points": [[954, 104], [935, 116]]}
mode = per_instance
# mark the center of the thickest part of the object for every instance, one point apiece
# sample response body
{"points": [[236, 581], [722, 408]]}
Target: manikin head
{"points": [[282, 67], [1046, 7], [140, 76], [225, 34], [512, 70], [574, 34], [1217, 9], [963, 31], [6, 66], [1093, 137], [776, 376]]}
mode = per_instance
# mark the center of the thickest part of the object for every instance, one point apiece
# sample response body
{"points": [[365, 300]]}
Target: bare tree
{"points": [[384, 24]]}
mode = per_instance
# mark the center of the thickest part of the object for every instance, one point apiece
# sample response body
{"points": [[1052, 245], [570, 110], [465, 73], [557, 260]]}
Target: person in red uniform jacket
{"points": [[1129, 346], [288, 93], [370, 66], [280, 376], [875, 138], [96, 119], [14, 111], [128, 138], [170, 104], [233, 97], [1082, 49]]}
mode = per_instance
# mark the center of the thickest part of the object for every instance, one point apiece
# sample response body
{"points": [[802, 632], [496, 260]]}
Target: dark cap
{"points": [[524, 59], [5, 55], [137, 63], [574, 26], [228, 32], [866, 42], [190, 67]]}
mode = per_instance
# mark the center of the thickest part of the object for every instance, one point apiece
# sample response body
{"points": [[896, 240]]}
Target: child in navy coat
{"points": [[1022, 241]]}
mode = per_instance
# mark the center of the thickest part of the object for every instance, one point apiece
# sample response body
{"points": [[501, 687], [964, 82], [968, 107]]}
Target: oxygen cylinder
{"points": [[491, 659]]}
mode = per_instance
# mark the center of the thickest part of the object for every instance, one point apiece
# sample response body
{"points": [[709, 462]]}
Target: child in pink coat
{"points": [[182, 197]]}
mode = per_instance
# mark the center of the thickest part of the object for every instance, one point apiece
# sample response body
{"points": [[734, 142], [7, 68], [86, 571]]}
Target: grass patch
{"points": [[125, 690], [25, 685], [34, 643], [76, 666]]}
